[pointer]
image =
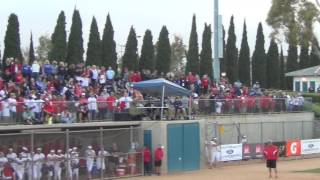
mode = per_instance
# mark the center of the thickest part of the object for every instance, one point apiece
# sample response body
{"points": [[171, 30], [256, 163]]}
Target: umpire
{"points": [[271, 153]]}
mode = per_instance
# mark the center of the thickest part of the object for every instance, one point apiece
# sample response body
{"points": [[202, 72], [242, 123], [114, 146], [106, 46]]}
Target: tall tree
{"points": [[273, 70], [12, 39], [178, 56], [130, 56], [206, 53], [94, 45], [244, 58], [259, 63], [75, 43], [232, 54], [109, 53], [314, 54], [304, 60], [223, 66], [147, 59], [59, 40], [31, 56], [282, 71], [163, 52], [292, 60], [43, 47], [193, 51]]}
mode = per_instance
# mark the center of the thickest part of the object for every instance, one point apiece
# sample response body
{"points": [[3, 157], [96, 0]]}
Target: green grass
{"points": [[309, 171]]}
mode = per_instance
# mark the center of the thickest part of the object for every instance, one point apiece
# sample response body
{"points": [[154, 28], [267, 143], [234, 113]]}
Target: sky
{"points": [[40, 16]]}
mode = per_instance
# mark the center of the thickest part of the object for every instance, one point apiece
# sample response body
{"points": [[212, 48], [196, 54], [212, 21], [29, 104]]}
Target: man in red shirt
{"points": [[147, 160], [271, 153], [158, 156]]}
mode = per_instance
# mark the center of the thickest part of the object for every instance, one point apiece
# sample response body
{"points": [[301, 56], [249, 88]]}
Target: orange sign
{"points": [[293, 148]]}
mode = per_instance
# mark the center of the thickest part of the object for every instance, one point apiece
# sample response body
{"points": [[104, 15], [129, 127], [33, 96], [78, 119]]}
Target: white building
{"points": [[305, 78]]}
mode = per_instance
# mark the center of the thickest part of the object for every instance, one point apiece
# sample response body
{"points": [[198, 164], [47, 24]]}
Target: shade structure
{"points": [[155, 87]]}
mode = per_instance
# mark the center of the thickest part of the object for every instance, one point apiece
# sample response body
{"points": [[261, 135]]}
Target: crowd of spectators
{"points": [[55, 92]]}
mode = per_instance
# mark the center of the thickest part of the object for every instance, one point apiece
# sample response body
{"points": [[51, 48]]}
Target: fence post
{"points": [[131, 135], [302, 130], [67, 154], [283, 131], [32, 153], [101, 153], [261, 132]]}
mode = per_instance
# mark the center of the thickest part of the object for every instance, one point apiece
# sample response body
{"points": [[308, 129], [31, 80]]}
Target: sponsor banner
{"points": [[293, 148], [231, 152], [282, 148], [311, 146], [252, 151]]}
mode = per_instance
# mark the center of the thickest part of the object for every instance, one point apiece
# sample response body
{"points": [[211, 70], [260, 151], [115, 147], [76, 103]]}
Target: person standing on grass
{"points": [[158, 155], [271, 154]]}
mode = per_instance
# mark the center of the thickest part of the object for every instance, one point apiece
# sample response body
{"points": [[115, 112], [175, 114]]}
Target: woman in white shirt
{"points": [[35, 70], [92, 107]]}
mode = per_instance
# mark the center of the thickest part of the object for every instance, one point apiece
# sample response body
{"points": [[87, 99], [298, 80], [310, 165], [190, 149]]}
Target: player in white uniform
{"points": [[68, 163], [25, 157], [12, 156], [101, 159], [75, 163], [90, 156], [20, 166], [57, 165], [38, 159], [214, 152], [3, 161], [51, 159]]}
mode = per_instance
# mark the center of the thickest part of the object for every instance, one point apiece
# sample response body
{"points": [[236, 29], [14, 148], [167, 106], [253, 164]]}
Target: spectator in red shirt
{"points": [[205, 82], [147, 160], [102, 104], [190, 80], [112, 104], [271, 153], [158, 156]]}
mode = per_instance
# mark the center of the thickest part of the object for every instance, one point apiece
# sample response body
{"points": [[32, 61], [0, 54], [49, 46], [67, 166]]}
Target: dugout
{"points": [[127, 135]]}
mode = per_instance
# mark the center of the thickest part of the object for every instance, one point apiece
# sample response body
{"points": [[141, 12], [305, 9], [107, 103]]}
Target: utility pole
{"points": [[216, 39]]}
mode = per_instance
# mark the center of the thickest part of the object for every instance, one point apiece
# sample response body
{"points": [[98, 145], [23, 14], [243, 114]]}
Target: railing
{"points": [[40, 112]]}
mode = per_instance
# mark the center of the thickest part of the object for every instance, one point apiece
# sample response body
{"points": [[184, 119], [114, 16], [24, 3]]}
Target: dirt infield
{"points": [[248, 172]]}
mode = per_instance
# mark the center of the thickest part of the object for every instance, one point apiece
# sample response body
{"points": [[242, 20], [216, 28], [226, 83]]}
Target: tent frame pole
{"points": [[162, 102]]}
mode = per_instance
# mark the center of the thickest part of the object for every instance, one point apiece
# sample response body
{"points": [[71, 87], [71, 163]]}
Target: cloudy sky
{"points": [[39, 16]]}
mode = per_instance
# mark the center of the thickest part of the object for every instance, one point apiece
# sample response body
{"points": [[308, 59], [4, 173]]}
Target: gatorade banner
{"points": [[293, 148], [311, 146]]}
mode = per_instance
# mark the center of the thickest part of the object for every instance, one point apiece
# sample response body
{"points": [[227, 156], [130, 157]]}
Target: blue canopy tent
{"points": [[161, 88]]}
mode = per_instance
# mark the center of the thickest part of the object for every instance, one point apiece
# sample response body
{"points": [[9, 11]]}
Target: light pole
{"points": [[216, 61]]}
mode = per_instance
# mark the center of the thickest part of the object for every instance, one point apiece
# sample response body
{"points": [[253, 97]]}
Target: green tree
{"points": [[282, 71], [232, 54], [31, 56], [193, 51], [223, 66], [259, 63], [12, 39], [206, 53], [284, 13], [178, 55], [163, 54], [130, 56], [244, 58], [147, 59], [59, 40], [109, 53], [315, 54], [75, 43], [292, 60], [44, 47], [304, 60], [94, 45], [273, 70]]}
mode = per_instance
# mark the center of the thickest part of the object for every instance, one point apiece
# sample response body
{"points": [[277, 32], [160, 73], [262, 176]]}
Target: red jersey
{"points": [[158, 154], [271, 152], [205, 83], [111, 101], [102, 102], [146, 155]]}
